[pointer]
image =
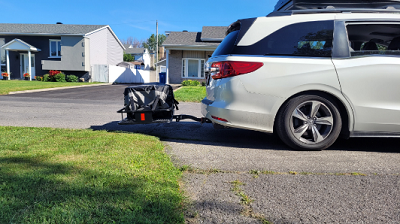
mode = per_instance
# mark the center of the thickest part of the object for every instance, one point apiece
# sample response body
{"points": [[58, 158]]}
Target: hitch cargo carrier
{"points": [[284, 5], [151, 103]]}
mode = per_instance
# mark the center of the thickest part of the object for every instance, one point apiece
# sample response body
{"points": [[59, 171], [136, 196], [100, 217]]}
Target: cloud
{"points": [[146, 28]]}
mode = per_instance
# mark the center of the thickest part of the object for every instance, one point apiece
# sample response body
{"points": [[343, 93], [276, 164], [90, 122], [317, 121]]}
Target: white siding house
{"points": [[72, 49], [98, 47], [114, 50], [105, 48]]}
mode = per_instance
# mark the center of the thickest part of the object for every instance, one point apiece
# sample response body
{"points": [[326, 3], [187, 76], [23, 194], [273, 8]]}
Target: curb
{"points": [[177, 89], [56, 88]]}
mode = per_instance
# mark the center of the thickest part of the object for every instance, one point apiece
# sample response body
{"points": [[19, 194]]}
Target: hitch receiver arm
{"points": [[184, 117]]}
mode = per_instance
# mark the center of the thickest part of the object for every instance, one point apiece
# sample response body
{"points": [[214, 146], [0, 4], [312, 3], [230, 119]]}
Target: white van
{"points": [[310, 75]]}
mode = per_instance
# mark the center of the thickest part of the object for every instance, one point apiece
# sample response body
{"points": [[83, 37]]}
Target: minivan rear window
{"points": [[301, 39], [227, 44]]}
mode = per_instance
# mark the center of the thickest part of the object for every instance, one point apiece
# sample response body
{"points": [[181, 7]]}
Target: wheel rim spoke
{"points": [[300, 115], [316, 135], [314, 108], [324, 121], [300, 131]]}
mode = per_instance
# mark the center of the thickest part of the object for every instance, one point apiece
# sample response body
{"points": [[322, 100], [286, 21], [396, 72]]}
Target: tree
{"points": [[151, 43], [133, 41], [128, 57]]}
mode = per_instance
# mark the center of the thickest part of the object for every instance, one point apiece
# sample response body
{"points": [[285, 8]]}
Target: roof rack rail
{"points": [[284, 5], [332, 10]]}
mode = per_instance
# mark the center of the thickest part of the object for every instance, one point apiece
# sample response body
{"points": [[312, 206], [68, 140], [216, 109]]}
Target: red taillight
{"points": [[220, 119], [234, 68]]}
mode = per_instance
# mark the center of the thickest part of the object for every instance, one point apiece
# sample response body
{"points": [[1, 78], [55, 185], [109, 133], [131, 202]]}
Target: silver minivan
{"points": [[309, 76]]}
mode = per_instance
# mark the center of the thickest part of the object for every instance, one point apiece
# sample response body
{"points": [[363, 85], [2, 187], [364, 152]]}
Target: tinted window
{"points": [[227, 44], [374, 39], [300, 39]]}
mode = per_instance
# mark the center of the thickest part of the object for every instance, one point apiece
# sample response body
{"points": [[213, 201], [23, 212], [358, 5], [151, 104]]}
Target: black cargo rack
{"points": [[177, 118], [332, 10], [152, 103]]}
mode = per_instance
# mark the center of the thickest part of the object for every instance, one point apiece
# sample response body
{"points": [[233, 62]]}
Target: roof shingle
{"points": [[213, 32], [134, 50], [187, 38]]}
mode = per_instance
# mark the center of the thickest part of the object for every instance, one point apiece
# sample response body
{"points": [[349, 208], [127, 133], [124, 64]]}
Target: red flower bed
{"points": [[53, 73]]}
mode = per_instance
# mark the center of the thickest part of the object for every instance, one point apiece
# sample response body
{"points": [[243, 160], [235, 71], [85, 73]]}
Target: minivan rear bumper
{"points": [[236, 117]]}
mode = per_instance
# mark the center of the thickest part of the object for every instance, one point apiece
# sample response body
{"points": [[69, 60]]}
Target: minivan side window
{"points": [[312, 39], [367, 39]]}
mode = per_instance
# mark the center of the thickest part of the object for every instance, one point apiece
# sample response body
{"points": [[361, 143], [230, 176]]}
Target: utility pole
{"points": [[157, 40]]}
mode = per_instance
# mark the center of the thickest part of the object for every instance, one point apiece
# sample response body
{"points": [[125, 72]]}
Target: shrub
{"points": [[46, 78], [52, 74], [39, 78], [72, 78], [60, 77], [194, 83], [128, 57], [190, 83], [203, 84], [185, 82]]}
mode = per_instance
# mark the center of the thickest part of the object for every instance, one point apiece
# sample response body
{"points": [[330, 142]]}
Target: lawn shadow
{"points": [[33, 190]]}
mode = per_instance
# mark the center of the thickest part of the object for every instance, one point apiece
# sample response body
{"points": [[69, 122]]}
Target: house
{"points": [[72, 49], [141, 55], [187, 52]]}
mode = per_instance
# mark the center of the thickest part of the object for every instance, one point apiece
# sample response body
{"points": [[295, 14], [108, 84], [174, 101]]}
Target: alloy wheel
{"points": [[311, 122]]}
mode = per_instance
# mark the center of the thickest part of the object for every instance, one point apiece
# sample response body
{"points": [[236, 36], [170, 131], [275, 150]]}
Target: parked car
{"points": [[309, 75]]}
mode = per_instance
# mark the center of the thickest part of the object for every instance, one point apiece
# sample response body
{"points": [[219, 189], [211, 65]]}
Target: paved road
{"points": [[223, 156]]}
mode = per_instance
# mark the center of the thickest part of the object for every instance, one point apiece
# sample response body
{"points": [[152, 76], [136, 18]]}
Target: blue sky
{"points": [[135, 18]]}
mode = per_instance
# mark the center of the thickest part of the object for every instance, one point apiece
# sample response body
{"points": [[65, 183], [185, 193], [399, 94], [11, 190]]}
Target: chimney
{"points": [[59, 23], [162, 53]]}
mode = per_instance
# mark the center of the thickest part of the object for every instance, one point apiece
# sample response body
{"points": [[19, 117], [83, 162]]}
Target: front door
{"points": [[25, 65]]}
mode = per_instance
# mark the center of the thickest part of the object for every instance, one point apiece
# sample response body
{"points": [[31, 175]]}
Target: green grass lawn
{"points": [[190, 94], [19, 85], [83, 176]]}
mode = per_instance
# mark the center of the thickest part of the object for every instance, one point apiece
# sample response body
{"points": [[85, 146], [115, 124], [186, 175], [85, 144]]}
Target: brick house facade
{"points": [[187, 52]]}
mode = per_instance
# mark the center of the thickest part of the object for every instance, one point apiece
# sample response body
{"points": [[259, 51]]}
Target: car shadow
{"points": [[205, 134], [388, 145]]}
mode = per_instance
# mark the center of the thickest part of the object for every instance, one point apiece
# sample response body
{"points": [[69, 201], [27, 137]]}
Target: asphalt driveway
{"points": [[103, 92], [355, 181]]}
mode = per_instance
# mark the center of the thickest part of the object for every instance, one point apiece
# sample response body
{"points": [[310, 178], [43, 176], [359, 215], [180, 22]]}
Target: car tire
{"points": [[309, 122]]}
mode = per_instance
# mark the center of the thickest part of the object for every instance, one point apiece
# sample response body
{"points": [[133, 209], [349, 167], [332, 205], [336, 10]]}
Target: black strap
{"points": [[155, 103]]}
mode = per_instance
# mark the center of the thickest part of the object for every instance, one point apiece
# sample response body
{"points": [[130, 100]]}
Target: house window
{"points": [[2, 56], [55, 48], [193, 68]]}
